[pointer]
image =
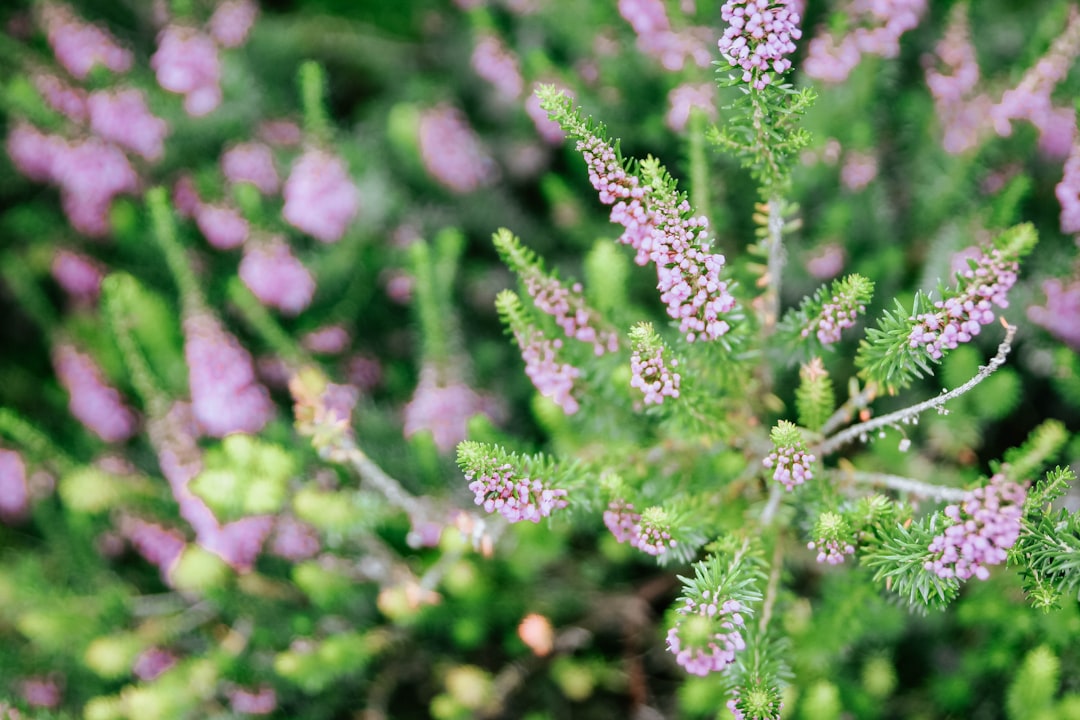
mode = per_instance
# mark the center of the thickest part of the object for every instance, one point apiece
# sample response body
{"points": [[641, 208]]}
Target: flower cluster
{"points": [[658, 225], [444, 409], [759, 37], [960, 317], [225, 396], [251, 162], [707, 634], [320, 197], [837, 315], [452, 152], [94, 403], [495, 63], [552, 378], [498, 489], [650, 533], [1061, 315], [14, 492], [1068, 193], [656, 38], [877, 31], [953, 80], [79, 275], [832, 552], [78, 46], [789, 458], [980, 530], [276, 277], [685, 98], [650, 372], [571, 312]]}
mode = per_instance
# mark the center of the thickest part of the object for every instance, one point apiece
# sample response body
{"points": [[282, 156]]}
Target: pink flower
{"points": [[276, 277], [158, 545], [657, 39], [552, 379], [40, 691], [792, 465], [251, 162], [826, 262], [280, 132], [122, 117], [294, 540], [222, 226], [569, 309], [516, 499], [719, 648], [90, 173], [687, 97], [759, 37], [627, 525], [327, 340], [1061, 315], [79, 275], [443, 410], [320, 197], [151, 663], [232, 21], [186, 62], [238, 543], [78, 46], [61, 97], [651, 376], [979, 531], [14, 492], [876, 27], [451, 151], [549, 130], [185, 197], [93, 403], [1067, 192], [225, 396], [262, 701], [33, 152], [832, 552], [495, 63], [858, 171]]}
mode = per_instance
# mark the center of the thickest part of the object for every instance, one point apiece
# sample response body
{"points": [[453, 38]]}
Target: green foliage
{"points": [[815, 400], [1034, 686], [897, 556]]}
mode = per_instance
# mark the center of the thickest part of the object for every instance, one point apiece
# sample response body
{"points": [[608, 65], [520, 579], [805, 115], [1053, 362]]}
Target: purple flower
{"points": [[707, 635], [40, 691], [61, 97], [553, 379], [33, 152], [276, 277], [158, 545], [568, 307], [960, 317], [261, 701], [152, 663], [294, 540], [78, 46], [186, 62], [93, 403], [238, 543], [790, 462], [122, 117], [651, 375], [648, 533], [978, 531], [225, 396], [622, 520], [687, 97], [498, 489], [320, 197], [451, 151], [14, 492], [79, 275], [656, 38], [327, 340], [444, 410], [232, 21], [251, 162], [876, 30], [222, 226], [551, 132], [831, 551], [495, 63], [1061, 315], [759, 37], [1067, 192]]}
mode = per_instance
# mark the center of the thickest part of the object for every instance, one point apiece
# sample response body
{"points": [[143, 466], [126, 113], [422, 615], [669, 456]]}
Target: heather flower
{"points": [[40, 691], [1061, 315], [686, 98], [33, 152], [707, 634], [952, 81], [622, 520], [294, 540], [185, 197], [443, 410], [840, 311], [93, 403], [452, 152], [1067, 192], [653, 534], [14, 492], [656, 38], [831, 533], [960, 317], [78, 46], [186, 62], [552, 379], [238, 543], [790, 461], [232, 21], [251, 162], [978, 531], [320, 197], [876, 29], [152, 663], [327, 340], [222, 226], [858, 171], [77, 274], [158, 545], [276, 277], [90, 173], [649, 368], [61, 97], [495, 63], [759, 37], [262, 701], [225, 396], [280, 132], [364, 371], [498, 489], [826, 262], [122, 117], [659, 227], [569, 309]]}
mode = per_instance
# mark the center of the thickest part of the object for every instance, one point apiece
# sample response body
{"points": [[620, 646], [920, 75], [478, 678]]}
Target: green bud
{"points": [[198, 570]]}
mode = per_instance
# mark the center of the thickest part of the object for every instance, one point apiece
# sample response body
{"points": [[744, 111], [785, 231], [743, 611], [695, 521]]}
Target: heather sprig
{"points": [[905, 345], [833, 538], [654, 370], [815, 399], [518, 487], [819, 320], [790, 462]]}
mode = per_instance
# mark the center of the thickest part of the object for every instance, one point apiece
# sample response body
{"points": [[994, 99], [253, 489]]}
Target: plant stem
{"points": [[907, 414], [904, 484]]}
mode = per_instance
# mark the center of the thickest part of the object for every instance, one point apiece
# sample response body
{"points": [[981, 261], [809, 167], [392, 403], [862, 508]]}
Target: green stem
{"points": [[259, 319], [312, 94], [161, 219], [29, 294], [39, 445], [699, 165], [154, 399]]}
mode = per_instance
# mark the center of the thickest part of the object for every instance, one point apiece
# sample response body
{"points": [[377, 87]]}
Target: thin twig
{"points": [[769, 513], [863, 429], [772, 588], [904, 484], [775, 268]]}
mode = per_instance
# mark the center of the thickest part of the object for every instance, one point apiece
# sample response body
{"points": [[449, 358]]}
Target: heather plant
{"points": [[697, 359]]}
